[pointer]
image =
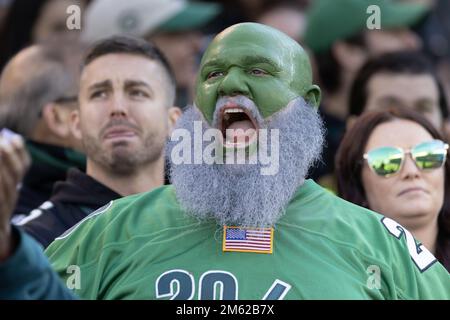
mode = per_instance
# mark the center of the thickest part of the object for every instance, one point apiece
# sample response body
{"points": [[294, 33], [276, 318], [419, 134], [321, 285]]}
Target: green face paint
{"points": [[256, 61]]}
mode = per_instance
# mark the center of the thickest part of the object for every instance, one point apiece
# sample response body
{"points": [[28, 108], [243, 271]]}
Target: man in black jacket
{"points": [[125, 115], [72, 200]]}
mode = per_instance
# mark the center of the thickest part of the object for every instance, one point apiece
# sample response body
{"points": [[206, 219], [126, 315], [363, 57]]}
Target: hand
{"points": [[14, 162]]}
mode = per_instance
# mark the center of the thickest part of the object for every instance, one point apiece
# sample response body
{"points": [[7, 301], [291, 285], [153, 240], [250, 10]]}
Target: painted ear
{"points": [[313, 96]]}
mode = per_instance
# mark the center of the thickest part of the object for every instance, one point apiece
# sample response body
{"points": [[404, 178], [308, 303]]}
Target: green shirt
{"points": [[145, 247]]}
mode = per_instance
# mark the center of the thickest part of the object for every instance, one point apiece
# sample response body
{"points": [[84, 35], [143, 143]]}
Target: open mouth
{"points": [[238, 127]]}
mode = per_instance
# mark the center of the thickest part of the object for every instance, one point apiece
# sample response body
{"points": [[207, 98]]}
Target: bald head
{"points": [[23, 66], [256, 61], [36, 76], [254, 35]]}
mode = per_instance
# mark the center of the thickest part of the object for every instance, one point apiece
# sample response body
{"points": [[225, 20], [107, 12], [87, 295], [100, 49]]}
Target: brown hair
{"points": [[131, 45], [349, 164], [401, 63]]}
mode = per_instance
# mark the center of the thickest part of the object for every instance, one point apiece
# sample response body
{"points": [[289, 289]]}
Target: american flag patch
{"points": [[239, 239]]}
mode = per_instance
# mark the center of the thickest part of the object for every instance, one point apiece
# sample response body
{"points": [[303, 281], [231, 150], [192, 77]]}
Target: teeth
{"points": [[233, 110]]}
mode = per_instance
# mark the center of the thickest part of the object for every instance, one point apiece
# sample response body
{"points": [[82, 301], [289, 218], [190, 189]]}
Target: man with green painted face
{"points": [[250, 57], [230, 231]]}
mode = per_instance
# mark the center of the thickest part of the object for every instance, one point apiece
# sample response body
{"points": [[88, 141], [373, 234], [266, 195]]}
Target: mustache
{"points": [[121, 123]]}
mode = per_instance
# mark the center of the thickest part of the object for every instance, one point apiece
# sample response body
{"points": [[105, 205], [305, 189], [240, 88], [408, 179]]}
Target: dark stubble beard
{"points": [[121, 159], [233, 196]]}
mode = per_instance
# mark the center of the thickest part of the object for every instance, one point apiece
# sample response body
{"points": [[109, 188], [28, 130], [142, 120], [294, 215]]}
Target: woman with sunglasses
{"points": [[394, 162]]}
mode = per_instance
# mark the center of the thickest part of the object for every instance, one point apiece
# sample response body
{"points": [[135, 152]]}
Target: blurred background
{"points": [[334, 33]]}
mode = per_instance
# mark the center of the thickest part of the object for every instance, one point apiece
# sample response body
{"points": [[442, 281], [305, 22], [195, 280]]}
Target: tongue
{"points": [[234, 135], [244, 125]]}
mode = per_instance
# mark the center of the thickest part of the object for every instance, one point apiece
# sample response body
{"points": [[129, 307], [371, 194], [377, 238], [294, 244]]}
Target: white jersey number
{"points": [[179, 284], [420, 255]]}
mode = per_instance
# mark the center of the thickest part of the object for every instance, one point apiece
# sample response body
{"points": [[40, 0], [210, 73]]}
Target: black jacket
{"points": [[49, 164], [71, 201]]}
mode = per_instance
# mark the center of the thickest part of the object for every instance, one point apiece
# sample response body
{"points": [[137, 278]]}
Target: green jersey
{"points": [[145, 247]]}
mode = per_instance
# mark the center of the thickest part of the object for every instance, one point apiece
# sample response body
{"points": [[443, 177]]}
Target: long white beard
{"points": [[241, 196]]}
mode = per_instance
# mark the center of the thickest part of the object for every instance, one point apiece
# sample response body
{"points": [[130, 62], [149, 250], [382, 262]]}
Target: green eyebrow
{"points": [[259, 59], [244, 60], [213, 63]]}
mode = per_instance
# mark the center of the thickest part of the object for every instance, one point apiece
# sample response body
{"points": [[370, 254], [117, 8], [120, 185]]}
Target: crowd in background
{"points": [[381, 88]]}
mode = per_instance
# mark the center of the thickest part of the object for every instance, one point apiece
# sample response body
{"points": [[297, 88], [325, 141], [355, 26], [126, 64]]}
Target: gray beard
{"points": [[239, 195]]}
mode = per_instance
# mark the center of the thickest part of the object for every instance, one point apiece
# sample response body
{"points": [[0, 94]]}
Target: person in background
{"points": [[219, 220], [38, 92], [125, 114], [338, 35], [286, 16], [172, 25], [4, 8], [434, 31], [435, 35], [33, 22], [394, 162], [404, 78]]}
